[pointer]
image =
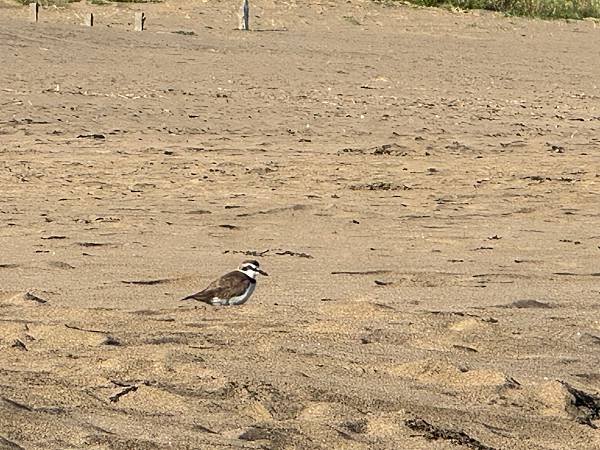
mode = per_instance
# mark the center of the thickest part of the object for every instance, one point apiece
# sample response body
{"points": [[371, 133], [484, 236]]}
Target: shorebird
{"points": [[233, 288]]}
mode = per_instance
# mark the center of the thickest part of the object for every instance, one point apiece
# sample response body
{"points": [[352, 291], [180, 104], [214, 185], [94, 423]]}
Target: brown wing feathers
{"points": [[203, 296], [230, 285]]}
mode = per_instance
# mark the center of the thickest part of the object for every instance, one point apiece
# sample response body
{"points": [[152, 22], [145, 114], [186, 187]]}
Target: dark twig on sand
{"points": [[115, 398], [434, 433]]}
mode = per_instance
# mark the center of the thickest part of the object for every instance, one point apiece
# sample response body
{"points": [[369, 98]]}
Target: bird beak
{"points": [[262, 272]]}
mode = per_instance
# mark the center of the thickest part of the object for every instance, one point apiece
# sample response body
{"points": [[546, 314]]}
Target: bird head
{"points": [[251, 267]]}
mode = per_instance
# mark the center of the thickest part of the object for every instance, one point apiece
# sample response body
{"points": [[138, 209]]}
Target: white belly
{"points": [[236, 300]]}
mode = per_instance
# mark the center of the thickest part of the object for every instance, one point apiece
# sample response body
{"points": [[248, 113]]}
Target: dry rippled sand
{"points": [[422, 187]]}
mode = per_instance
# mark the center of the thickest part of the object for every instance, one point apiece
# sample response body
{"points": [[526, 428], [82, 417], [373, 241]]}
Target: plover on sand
{"points": [[233, 288]]}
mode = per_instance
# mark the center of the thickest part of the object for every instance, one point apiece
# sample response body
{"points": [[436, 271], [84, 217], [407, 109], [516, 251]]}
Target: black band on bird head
{"points": [[251, 261]]}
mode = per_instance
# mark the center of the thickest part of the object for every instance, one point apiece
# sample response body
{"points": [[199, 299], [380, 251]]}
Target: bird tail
{"points": [[196, 297]]}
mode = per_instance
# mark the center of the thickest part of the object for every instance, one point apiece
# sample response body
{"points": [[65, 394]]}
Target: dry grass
{"points": [[546, 9]]}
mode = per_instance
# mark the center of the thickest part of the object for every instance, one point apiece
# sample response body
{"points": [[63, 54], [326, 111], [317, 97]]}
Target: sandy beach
{"points": [[421, 185]]}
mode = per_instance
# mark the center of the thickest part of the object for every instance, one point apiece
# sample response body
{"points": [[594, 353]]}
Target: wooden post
{"points": [[140, 19], [245, 16], [34, 9], [89, 20]]}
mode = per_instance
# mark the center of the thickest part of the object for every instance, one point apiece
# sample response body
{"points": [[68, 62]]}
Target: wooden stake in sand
{"points": [[34, 9], [88, 20], [245, 16], [139, 21]]}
